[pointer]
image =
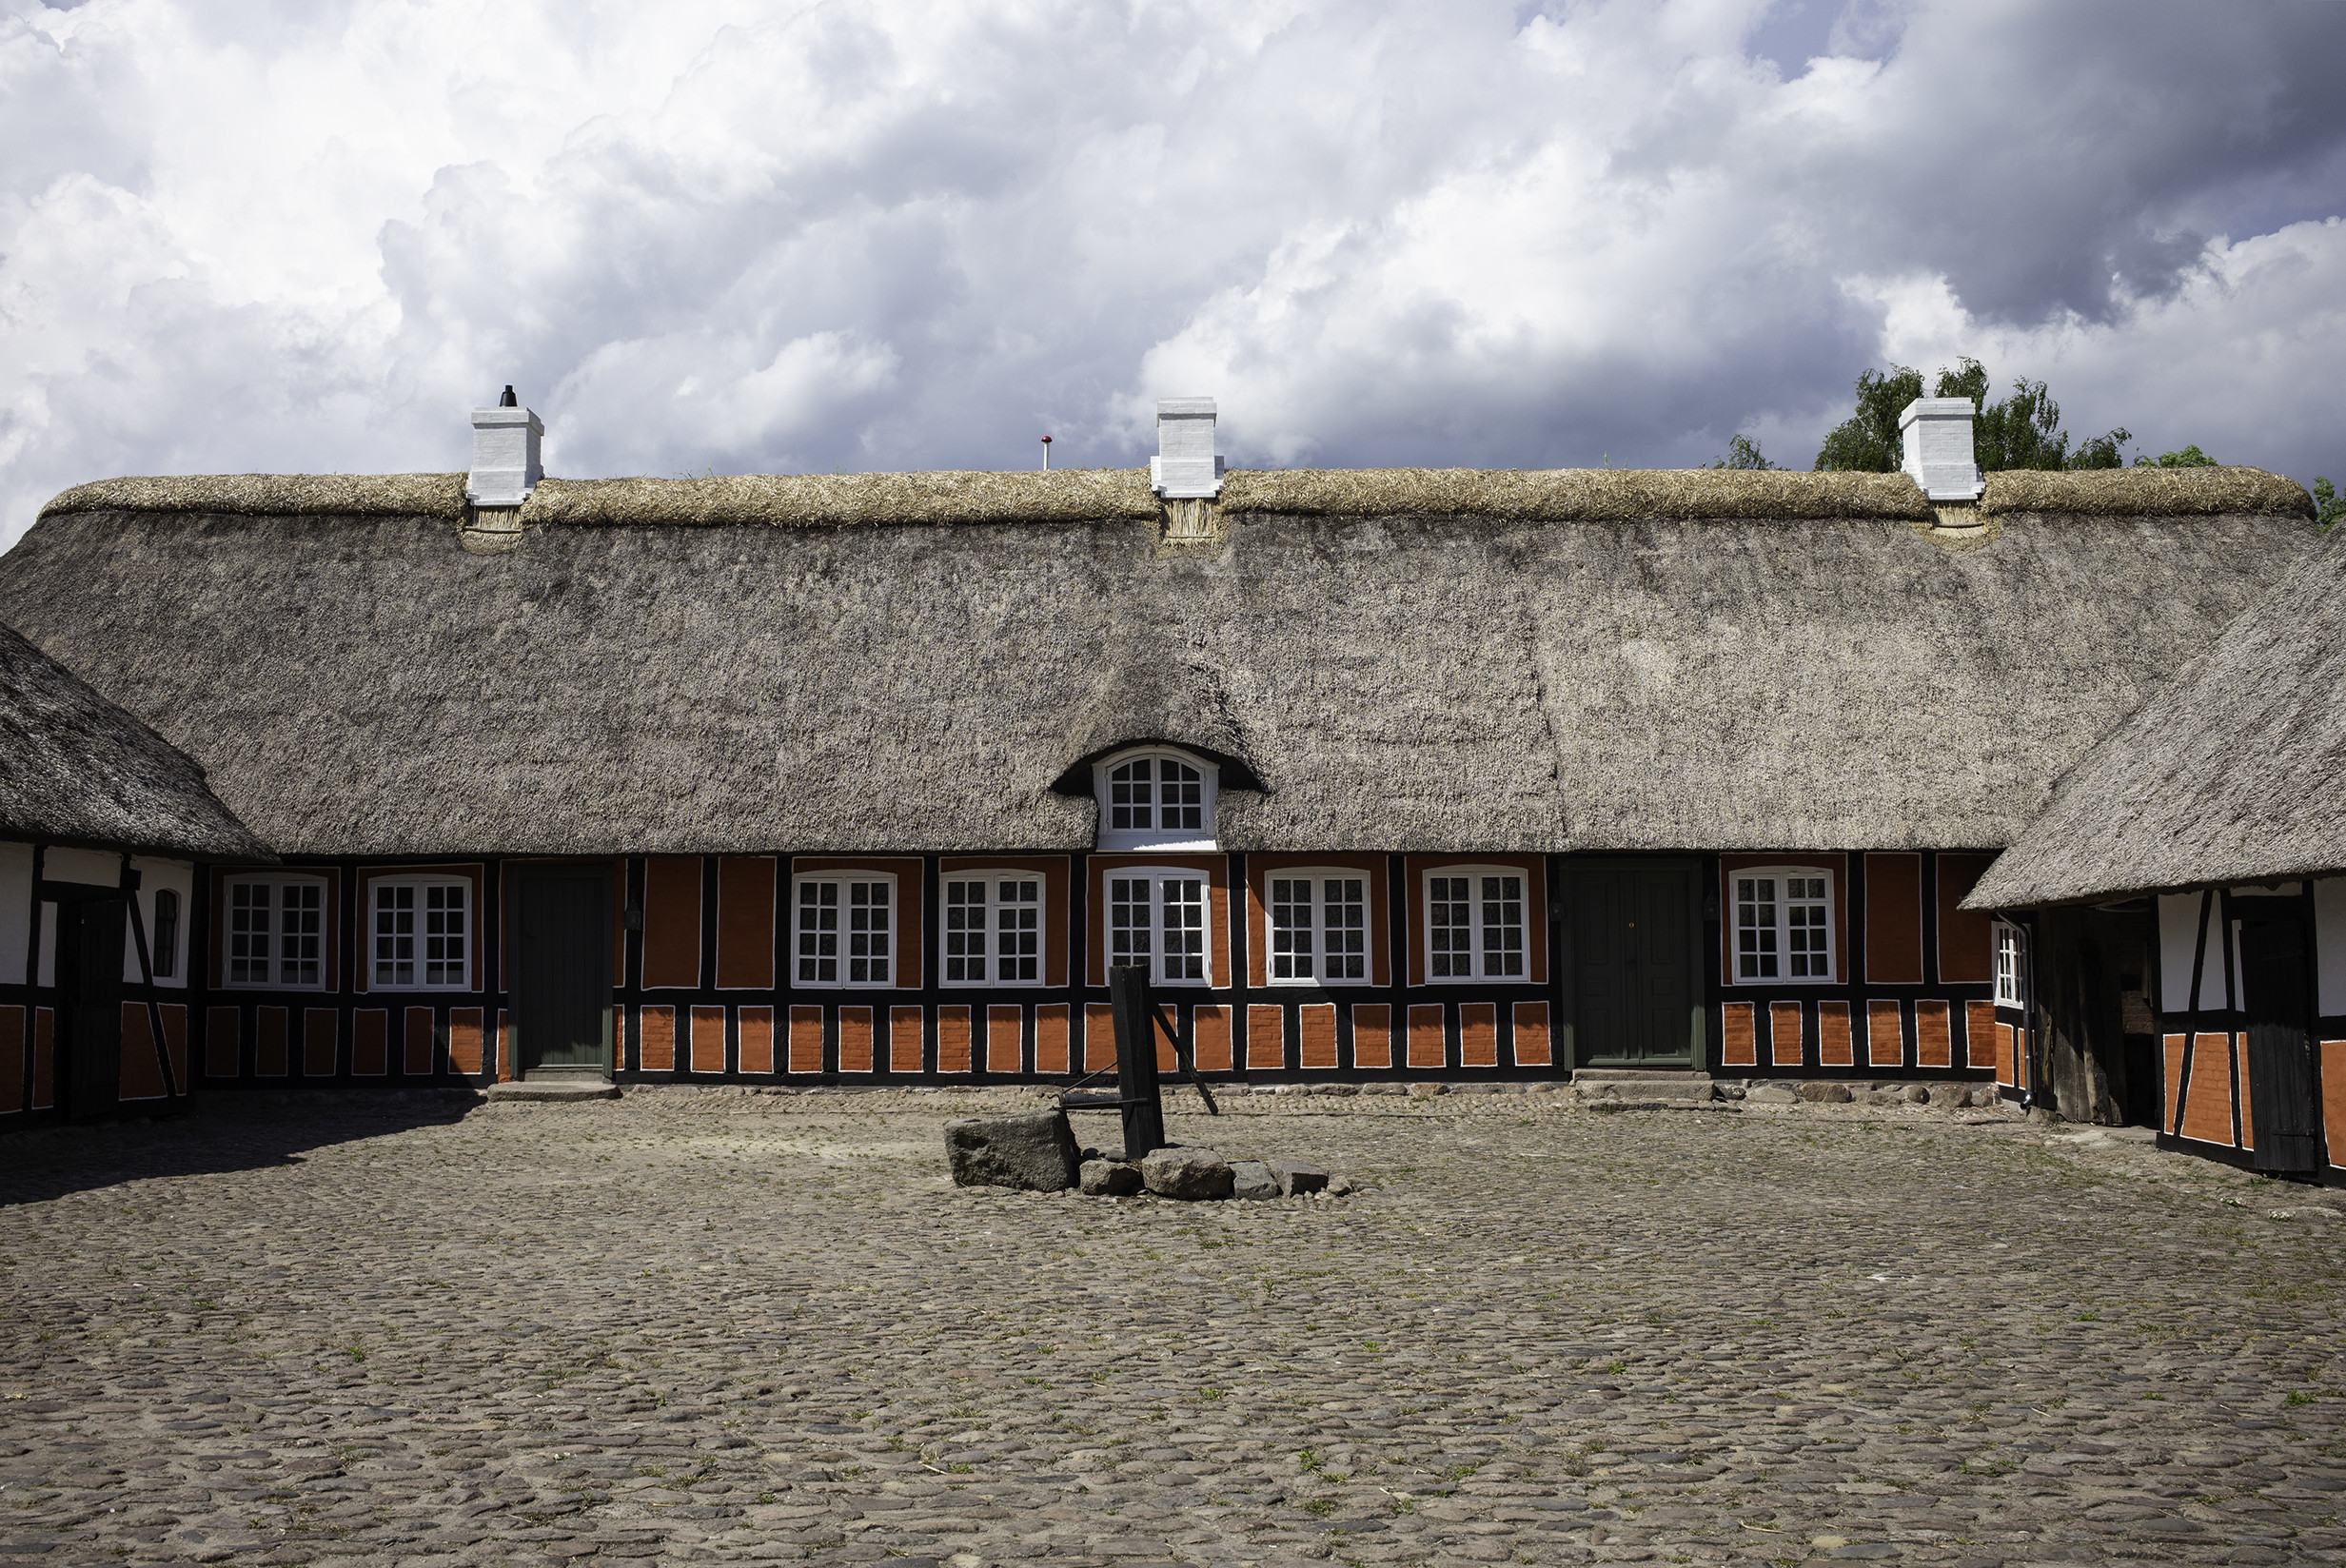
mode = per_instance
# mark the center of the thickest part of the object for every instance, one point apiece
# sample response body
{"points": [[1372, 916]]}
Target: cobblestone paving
{"points": [[692, 1326]]}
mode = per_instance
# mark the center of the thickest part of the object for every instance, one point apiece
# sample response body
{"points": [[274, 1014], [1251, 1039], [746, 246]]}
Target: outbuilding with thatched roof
{"points": [[102, 822], [2201, 847], [1382, 774]]}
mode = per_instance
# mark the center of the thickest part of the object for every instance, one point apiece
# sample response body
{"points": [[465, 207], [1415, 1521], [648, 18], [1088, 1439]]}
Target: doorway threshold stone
{"points": [[552, 1091]]}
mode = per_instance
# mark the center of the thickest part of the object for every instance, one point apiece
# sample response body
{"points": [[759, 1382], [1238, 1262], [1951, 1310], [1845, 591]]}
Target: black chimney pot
{"points": [[508, 401]]}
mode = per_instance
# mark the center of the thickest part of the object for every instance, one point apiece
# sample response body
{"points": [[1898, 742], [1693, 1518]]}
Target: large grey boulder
{"points": [[1296, 1177], [1253, 1179], [1108, 1179], [1186, 1173], [1031, 1150]]}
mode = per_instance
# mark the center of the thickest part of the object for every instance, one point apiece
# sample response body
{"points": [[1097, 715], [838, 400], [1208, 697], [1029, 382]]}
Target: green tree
{"points": [[2189, 457], [2328, 505], [2023, 431], [1742, 452]]}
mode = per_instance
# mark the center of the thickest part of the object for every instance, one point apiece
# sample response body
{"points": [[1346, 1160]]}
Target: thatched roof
{"points": [[76, 769], [2234, 773], [1393, 660]]}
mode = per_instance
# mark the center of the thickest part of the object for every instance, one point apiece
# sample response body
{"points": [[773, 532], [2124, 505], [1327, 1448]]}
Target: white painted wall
{"points": [[100, 868], [2329, 944], [15, 910], [179, 875], [2177, 938]]}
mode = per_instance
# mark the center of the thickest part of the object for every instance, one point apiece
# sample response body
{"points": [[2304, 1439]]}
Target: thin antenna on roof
{"points": [[508, 401], [1046, 454]]}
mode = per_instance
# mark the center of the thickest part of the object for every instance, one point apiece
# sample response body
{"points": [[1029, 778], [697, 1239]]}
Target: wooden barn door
{"points": [[1634, 935], [561, 980], [2275, 981]]}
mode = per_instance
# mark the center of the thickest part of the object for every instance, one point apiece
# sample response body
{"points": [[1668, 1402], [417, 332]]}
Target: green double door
{"points": [[1632, 963]]}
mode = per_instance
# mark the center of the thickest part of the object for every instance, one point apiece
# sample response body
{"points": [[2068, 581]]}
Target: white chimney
{"points": [[1185, 468], [504, 454], [1939, 450]]}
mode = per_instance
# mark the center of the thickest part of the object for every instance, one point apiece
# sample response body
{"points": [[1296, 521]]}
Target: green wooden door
{"points": [[1633, 970], [562, 981]]}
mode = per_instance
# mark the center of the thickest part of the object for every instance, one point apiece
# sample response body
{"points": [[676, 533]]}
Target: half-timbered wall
{"points": [[2208, 1099], [712, 984], [33, 1004]]}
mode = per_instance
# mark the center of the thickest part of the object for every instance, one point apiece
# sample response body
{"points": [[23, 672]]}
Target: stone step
{"points": [[1688, 1077], [554, 1090]]}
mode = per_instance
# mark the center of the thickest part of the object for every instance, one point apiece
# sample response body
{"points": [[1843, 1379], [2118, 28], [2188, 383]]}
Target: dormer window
{"points": [[1156, 800]]}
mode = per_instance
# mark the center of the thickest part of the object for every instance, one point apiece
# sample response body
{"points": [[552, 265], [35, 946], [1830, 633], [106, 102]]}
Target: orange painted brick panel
{"points": [[1209, 1037], [745, 923], [320, 1029], [1373, 1035], [44, 1059], [905, 1026], [2007, 1057], [856, 1047], [806, 1040], [1478, 1034], [370, 1042], [2333, 1098], [1533, 1048], [1886, 1039], [507, 1069], [464, 1040], [1833, 1048], [655, 1039], [268, 1033], [2207, 1103], [708, 1039], [1004, 1024], [755, 1029], [1785, 1047], [1168, 1047], [1738, 1048], [1050, 1042], [1428, 1048], [2171, 1108], [672, 922], [1099, 1036], [1266, 1037], [1316, 1034], [1980, 1035], [175, 1042], [2240, 1076], [952, 1039], [1894, 919], [419, 1042], [12, 1060], [142, 1075], [222, 1045], [1934, 1031]]}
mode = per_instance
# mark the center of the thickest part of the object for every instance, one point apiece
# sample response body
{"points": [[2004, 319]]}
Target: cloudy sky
{"points": [[874, 234]]}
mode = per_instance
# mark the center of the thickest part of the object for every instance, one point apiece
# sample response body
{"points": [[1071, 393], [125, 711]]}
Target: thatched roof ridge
{"points": [[362, 685], [272, 495], [74, 768], [946, 497], [2234, 773], [2147, 492]]}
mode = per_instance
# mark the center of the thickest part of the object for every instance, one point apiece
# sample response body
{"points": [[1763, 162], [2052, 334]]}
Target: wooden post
{"points": [[1143, 1108]]}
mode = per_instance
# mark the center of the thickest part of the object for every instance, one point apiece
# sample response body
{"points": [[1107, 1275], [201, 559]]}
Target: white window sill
{"points": [[1129, 843]]}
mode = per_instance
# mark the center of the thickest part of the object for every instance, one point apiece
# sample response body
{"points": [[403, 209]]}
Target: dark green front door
{"points": [[2276, 984], [1632, 963], [562, 981]]}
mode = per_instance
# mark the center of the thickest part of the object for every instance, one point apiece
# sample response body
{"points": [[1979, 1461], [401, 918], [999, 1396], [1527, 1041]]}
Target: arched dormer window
{"points": [[1156, 799]]}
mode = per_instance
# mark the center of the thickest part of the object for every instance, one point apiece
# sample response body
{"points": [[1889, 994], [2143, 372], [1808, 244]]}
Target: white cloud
{"points": [[911, 234]]}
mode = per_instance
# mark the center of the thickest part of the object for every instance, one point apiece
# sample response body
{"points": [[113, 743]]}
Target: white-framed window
{"points": [[1315, 923], [2011, 949], [276, 933], [1156, 800], [1474, 924], [1784, 924], [846, 930], [418, 934], [994, 929], [1163, 919]]}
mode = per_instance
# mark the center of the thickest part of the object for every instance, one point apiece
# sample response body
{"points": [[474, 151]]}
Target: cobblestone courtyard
{"points": [[699, 1326]]}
